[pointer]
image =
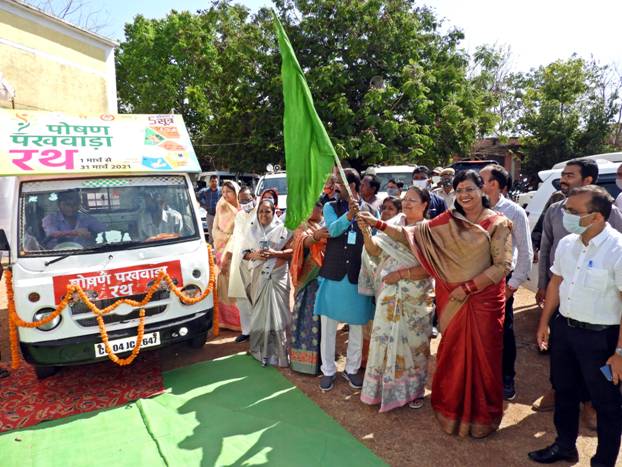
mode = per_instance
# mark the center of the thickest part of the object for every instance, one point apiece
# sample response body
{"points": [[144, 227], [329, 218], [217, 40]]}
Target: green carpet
{"points": [[229, 411]]}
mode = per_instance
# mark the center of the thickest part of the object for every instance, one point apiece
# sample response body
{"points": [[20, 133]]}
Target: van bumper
{"points": [[79, 350]]}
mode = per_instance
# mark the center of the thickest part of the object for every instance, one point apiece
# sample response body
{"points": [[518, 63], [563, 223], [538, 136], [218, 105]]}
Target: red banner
{"points": [[118, 283]]}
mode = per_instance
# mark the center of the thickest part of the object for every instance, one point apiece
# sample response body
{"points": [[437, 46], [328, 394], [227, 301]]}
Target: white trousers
{"points": [[245, 314], [327, 347]]}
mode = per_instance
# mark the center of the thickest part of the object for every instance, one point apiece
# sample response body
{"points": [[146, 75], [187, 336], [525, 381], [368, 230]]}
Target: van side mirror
{"points": [[4, 242]]}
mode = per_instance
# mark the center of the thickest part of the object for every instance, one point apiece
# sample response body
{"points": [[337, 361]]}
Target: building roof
{"points": [[61, 22]]}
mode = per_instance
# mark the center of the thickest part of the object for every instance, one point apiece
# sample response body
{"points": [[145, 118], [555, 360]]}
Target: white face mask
{"points": [[436, 179], [248, 206], [572, 223], [423, 184], [619, 183]]}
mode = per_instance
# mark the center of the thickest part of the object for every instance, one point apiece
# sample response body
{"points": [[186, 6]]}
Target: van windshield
{"points": [[93, 214]]}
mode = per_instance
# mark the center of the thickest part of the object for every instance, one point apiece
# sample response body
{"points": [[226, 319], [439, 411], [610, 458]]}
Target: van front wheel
{"points": [[198, 341], [43, 372]]}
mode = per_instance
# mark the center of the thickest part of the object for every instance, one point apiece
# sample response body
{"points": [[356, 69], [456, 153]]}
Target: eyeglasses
{"points": [[468, 191], [575, 213]]}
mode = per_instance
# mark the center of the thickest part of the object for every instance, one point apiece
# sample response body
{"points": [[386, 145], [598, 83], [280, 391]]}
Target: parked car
{"points": [[247, 179], [399, 173], [277, 181], [550, 183], [472, 165]]}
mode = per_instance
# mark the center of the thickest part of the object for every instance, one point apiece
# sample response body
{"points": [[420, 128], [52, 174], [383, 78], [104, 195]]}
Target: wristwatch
{"points": [[619, 351]]}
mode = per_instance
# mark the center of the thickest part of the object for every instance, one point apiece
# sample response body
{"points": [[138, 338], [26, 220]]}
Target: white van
{"points": [[111, 209], [550, 184]]}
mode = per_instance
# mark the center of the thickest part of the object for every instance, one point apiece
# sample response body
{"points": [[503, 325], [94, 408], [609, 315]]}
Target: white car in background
{"points": [[399, 173], [277, 181], [550, 184]]}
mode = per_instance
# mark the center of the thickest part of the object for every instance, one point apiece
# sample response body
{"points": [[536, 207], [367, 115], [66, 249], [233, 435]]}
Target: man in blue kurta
{"points": [[337, 298]]}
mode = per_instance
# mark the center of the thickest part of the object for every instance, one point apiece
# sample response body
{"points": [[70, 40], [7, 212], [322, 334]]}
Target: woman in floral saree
{"points": [[308, 246], [397, 365], [468, 251]]}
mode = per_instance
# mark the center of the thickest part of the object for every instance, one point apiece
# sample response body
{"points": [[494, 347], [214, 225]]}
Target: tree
{"points": [[389, 86], [568, 108]]}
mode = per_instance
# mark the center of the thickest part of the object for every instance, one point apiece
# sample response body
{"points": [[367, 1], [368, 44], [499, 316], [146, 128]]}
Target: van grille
{"points": [[83, 316]]}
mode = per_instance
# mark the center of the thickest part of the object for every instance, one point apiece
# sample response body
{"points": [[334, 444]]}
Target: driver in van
{"points": [[68, 224], [158, 218]]}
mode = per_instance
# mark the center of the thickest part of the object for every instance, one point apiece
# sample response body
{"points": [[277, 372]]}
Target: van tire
{"points": [[43, 372], [198, 341]]}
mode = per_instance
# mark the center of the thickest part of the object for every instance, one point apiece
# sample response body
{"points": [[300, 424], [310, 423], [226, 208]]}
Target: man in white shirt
{"points": [[496, 180], [586, 285], [446, 189], [158, 218]]}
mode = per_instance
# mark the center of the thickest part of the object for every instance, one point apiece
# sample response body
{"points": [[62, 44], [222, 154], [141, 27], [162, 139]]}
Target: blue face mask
{"points": [[572, 223], [393, 191]]}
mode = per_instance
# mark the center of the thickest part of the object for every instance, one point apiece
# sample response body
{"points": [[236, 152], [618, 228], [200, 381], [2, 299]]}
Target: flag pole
{"points": [[367, 230]]}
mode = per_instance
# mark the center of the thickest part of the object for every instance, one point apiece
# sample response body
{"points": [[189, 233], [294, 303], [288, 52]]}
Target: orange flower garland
{"points": [[15, 320]]}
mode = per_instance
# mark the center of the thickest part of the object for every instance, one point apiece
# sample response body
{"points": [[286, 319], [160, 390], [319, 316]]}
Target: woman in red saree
{"points": [[468, 251]]}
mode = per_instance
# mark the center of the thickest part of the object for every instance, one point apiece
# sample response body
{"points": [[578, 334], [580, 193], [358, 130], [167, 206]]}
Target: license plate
{"points": [[127, 344]]}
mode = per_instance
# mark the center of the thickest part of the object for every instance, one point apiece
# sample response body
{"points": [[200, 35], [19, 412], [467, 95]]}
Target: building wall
{"points": [[53, 66]]}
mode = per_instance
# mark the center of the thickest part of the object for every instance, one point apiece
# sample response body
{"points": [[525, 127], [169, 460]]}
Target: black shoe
{"points": [[327, 383], [241, 338], [355, 380], [509, 392], [554, 453]]}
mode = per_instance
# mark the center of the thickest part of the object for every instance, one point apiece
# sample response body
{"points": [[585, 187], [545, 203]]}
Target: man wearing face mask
{"points": [[329, 193], [233, 257], [586, 288], [393, 189], [446, 189], [422, 180], [577, 173]]}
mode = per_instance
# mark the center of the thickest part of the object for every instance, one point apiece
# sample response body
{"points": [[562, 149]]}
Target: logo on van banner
{"points": [[118, 283]]}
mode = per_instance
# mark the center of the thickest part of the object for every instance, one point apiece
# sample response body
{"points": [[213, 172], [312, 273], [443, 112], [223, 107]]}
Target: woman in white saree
{"points": [[265, 274]]}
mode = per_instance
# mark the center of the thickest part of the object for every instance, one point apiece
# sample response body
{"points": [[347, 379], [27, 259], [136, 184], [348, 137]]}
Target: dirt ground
{"points": [[407, 437]]}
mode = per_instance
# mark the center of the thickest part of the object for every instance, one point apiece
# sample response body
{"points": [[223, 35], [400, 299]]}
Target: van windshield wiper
{"points": [[108, 247], [56, 260]]}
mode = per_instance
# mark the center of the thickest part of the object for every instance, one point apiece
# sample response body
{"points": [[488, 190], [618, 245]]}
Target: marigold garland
{"points": [[72, 290]]}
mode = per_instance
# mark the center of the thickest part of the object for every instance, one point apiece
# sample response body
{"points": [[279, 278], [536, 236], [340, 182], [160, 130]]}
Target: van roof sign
{"points": [[49, 143]]}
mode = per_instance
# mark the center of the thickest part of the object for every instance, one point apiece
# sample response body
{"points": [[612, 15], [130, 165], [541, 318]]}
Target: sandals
{"points": [[416, 404]]}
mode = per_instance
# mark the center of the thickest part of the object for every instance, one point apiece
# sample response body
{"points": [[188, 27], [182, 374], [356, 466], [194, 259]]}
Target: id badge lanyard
{"points": [[351, 233]]}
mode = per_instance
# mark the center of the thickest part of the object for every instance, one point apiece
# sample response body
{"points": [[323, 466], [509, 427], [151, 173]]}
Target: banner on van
{"points": [[118, 283], [49, 143]]}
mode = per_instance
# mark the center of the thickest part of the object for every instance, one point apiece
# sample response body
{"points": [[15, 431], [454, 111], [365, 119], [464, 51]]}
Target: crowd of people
{"points": [[451, 257]]}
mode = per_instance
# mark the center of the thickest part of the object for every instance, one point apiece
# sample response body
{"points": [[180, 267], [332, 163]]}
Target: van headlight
{"points": [[42, 313], [191, 291]]}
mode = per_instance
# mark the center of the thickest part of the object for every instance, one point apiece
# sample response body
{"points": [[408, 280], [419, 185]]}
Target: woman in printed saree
{"points": [[468, 251], [265, 275], [397, 366], [308, 253], [224, 222]]}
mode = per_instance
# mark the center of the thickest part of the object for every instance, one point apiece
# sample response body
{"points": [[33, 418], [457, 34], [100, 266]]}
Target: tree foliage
{"points": [[389, 82], [567, 110]]}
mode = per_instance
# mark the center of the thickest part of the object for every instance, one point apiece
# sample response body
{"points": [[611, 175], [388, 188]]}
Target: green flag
{"points": [[309, 154]]}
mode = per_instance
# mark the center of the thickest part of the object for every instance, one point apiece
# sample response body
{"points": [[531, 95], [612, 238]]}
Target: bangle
{"points": [[471, 285], [380, 225], [465, 287]]}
